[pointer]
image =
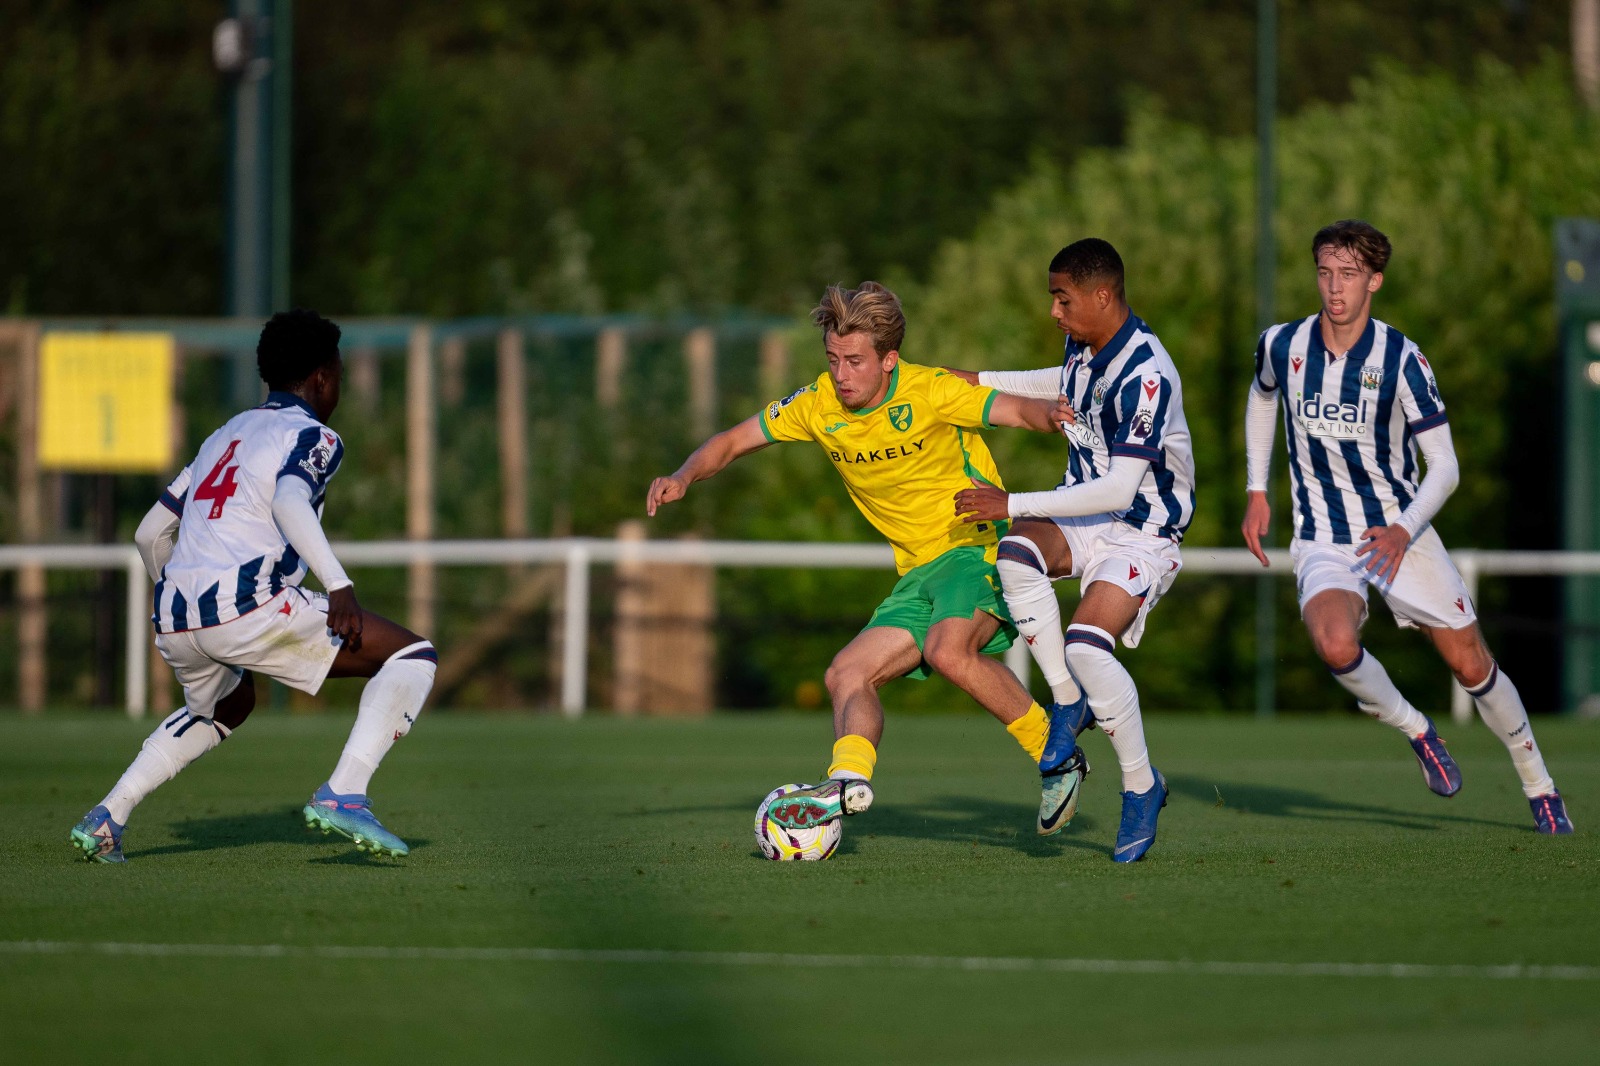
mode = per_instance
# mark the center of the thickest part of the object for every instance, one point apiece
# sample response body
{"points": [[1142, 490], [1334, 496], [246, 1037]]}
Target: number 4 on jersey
{"points": [[219, 485]]}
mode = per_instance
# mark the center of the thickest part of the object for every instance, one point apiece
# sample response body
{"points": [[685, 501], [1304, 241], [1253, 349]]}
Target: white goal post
{"points": [[579, 554]]}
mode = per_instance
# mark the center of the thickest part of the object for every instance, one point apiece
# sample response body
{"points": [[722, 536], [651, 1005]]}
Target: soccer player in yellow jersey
{"points": [[904, 439]]}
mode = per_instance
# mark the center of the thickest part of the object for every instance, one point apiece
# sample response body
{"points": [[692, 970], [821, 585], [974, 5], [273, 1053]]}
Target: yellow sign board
{"points": [[105, 402]]}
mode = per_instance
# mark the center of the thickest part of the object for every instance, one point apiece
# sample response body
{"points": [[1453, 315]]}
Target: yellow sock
{"points": [[857, 756], [1031, 730]]}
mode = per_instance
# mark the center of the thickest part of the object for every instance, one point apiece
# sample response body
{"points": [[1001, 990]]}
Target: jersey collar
{"points": [[277, 401], [1358, 351], [894, 383], [1115, 345]]}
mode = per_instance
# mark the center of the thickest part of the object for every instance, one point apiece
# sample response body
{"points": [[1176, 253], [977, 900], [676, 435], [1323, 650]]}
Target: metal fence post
{"points": [[420, 457], [1020, 662], [1467, 564], [138, 624], [575, 633]]}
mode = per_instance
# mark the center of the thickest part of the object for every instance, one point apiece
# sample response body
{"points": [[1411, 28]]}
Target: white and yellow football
{"points": [[804, 845]]}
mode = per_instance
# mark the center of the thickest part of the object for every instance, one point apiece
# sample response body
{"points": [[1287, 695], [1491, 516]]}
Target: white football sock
{"points": [[1031, 599], [1501, 706], [176, 743], [389, 704], [1369, 683], [1114, 700]]}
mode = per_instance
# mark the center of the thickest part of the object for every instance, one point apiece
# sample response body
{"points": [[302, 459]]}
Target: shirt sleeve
{"points": [[155, 538], [1146, 404], [1443, 475], [314, 458], [959, 403], [293, 510], [1419, 393], [177, 491], [1040, 384], [1114, 491], [790, 418], [1260, 427], [1266, 376]]}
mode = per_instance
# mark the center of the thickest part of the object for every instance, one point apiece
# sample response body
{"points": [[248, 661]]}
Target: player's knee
{"points": [[1474, 669], [845, 676], [949, 658], [1335, 648]]}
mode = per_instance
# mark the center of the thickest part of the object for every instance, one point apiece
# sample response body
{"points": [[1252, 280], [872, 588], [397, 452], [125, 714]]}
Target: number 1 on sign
{"points": [[219, 485]]}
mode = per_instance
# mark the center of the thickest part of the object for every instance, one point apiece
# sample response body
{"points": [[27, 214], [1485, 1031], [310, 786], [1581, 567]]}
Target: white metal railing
{"points": [[579, 554]]}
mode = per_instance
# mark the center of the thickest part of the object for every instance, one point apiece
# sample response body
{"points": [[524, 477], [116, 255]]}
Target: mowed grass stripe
{"points": [[1173, 967]]}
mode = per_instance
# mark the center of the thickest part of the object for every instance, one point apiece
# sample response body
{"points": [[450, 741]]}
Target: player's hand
{"points": [[1064, 414], [969, 376], [982, 503], [664, 490], [344, 616], [1385, 547], [1257, 519]]}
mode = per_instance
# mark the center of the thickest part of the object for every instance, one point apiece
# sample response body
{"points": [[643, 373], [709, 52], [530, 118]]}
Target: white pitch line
{"points": [[1177, 967]]}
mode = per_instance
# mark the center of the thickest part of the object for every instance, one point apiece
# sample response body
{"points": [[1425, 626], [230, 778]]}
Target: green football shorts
{"points": [[956, 584]]}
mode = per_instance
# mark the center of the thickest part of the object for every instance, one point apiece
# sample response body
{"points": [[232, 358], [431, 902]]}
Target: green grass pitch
{"points": [[590, 892]]}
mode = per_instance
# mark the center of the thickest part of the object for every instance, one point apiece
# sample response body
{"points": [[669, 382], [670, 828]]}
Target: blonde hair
{"points": [[871, 309]]}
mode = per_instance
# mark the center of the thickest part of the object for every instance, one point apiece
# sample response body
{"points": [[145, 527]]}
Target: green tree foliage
{"points": [[1465, 179], [490, 156]]}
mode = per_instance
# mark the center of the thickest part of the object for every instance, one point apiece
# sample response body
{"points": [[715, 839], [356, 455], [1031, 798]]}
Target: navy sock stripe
{"points": [[1483, 689], [429, 654], [1349, 666], [1018, 554], [1080, 636], [185, 727]]}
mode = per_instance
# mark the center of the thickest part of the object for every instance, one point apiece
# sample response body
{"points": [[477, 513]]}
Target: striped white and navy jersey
{"points": [[1129, 401], [230, 557], [1351, 421]]}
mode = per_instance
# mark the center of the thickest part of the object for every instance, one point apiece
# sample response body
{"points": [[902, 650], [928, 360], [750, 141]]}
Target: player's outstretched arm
{"points": [[155, 538], [297, 521], [707, 461], [1026, 412], [1113, 491]]}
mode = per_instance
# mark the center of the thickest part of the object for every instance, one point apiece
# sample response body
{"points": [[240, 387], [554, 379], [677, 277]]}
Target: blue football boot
{"points": [[1067, 722], [351, 816], [1439, 770], [1139, 812], [1550, 814], [100, 839]]}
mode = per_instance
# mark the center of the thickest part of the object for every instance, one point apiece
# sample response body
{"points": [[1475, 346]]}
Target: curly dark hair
{"points": [[1091, 261], [293, 346]]}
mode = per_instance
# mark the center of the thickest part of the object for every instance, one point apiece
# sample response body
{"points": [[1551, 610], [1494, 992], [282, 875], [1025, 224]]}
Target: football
{"points": [[805, 845]]}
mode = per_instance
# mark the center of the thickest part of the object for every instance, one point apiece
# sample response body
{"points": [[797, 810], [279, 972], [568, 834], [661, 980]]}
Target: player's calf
{"points": [[390, 704]]}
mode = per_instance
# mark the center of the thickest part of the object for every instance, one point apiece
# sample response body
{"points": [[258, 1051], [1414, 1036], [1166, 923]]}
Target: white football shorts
{"points": [[1428, 591], [286, 639], [1141, 564]]}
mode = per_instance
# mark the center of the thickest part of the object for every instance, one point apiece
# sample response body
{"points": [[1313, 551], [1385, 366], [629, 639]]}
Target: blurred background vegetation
{"points": [[710, 157]]}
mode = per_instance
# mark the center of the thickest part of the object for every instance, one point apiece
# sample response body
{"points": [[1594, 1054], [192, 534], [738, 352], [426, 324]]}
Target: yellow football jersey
{"points": [[903, 459]]}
